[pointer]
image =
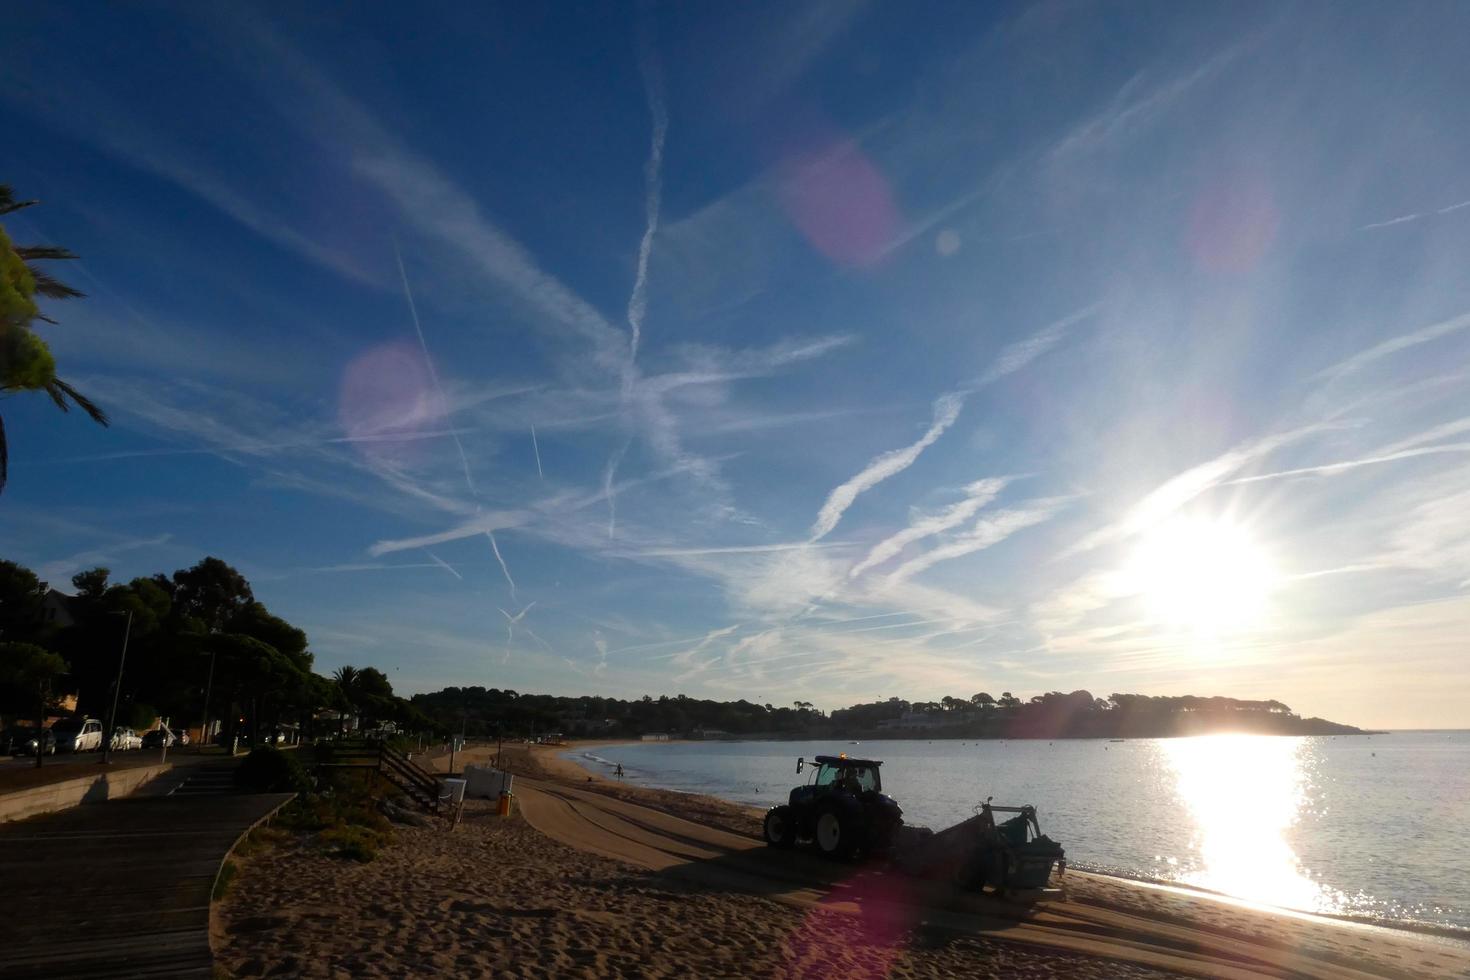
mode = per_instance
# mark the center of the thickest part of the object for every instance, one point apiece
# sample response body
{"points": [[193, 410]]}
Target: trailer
{"points": [[1013, 857]]}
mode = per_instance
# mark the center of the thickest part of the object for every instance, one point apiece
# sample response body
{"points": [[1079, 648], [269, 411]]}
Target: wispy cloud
{"points": [[479, 524], [1343, 466], [653, 88], [1415, 216], [536, 448], [1016, 356], [988, 531], [1401, 219], [1179, 490], [977, 495], [1133, 109], [1402, 342], [946, 411], [600, 642], [418, 329], [489, 533], [444, 564], [64, 568]]}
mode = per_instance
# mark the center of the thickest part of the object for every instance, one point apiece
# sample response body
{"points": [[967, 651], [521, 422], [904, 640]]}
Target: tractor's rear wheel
{"points": [[780, 828], [835, 835]]}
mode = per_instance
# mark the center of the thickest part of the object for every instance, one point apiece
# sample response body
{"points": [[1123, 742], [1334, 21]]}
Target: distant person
{"points": [[620, 770]]}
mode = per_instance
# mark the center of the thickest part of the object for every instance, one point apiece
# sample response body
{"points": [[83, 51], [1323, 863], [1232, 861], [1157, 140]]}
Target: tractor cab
{"points": [[838, 771]]}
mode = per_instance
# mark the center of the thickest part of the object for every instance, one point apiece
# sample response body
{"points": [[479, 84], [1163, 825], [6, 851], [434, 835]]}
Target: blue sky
{"points": [[821, 352]]}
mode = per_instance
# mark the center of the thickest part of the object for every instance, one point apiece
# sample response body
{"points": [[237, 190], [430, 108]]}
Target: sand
{"points": [[603, 879]]}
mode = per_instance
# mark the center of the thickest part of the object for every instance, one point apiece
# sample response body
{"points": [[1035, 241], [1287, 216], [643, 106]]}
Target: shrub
{"points": [[267, 770], [348, 841]]}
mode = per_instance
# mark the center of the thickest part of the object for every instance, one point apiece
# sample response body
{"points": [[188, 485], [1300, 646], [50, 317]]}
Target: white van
{"points": [[78, 734]]}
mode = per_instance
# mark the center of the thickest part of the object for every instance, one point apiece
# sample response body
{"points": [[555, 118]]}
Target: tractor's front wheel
{"points": [[780, 828], [836, 837]]}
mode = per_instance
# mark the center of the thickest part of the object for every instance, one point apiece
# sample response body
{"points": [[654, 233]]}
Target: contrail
{"points": [[879, 468], [977, 495], [608, 474], [653, 87], [503, 567], [433, 374], [537, 450], [444, 564], [510, 626]]}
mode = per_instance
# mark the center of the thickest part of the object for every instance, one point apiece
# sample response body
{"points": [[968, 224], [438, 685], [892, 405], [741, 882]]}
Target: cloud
{"points": [[1328, 469], [653, 88], [987, 531], [418, 329], [1424, 335], [946, 411], [1179, 490], [1401, 219], [444, 564], [977, 495], [536, 448], [1130, 113], [64, 568], [479, 524], [1016, 356], [503, 566]]}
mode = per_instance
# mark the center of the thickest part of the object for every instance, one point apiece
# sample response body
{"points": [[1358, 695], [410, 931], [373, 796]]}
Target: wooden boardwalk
{"points": [[119, 889]]}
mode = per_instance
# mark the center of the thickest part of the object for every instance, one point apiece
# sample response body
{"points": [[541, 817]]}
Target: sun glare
{"points": [[1207, 576]]}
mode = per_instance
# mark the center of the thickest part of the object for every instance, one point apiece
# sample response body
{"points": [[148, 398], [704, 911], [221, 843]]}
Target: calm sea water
{"points": [[1375, 826]]}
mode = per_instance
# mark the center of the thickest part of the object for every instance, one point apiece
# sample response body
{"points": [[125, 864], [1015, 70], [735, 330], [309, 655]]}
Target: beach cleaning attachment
{"points": [[1013, 856]]}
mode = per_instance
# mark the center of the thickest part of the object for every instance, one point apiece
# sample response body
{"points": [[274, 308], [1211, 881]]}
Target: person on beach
{"points": [[620, 770]]}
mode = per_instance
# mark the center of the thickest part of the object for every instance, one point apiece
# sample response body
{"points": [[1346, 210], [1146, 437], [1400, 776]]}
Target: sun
{"points": [[1205, 575]]}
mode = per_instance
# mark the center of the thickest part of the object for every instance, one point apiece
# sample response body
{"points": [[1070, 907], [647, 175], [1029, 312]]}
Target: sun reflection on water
{"points": [[1244, 792]]}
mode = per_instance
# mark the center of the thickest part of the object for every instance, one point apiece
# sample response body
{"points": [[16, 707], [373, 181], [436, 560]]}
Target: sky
{"points": [[819, 351]]}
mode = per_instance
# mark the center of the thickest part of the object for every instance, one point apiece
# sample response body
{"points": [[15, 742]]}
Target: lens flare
{"points": [[387, 399]]}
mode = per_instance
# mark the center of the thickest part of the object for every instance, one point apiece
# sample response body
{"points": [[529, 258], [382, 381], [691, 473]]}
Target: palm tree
{"points": [[346, 678], [26, 363]]}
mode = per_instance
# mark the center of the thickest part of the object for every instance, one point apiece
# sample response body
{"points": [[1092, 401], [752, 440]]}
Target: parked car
{"points": [[159, 738], [23, 741], [125, 738], [78, 734]]}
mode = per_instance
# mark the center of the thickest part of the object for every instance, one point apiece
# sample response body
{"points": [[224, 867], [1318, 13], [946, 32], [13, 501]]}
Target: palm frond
{"points": [[51, 287], [4, 450], [8, 203], [57, 397], [46, 319], [32, 252], [87, 405]]}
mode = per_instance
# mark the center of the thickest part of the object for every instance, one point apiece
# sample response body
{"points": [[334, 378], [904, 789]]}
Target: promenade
{"points": [[120, 888]]}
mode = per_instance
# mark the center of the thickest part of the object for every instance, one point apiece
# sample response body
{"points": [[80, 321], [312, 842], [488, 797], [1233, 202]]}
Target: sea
{"points": [[1373, 827]]}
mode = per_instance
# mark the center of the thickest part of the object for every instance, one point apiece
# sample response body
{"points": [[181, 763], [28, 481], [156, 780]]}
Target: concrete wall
{"points": [[100, 788]]}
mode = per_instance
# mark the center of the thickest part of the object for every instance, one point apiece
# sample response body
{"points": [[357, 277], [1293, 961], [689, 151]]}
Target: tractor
{"points": [[841, 809]]}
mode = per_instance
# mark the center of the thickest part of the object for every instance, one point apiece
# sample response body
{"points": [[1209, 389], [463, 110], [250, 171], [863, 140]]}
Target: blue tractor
{"points": [[841, 810]]}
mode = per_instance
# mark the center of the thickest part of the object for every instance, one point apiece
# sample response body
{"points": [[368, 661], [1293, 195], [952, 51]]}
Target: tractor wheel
{"points": [[836, 837], [780, 828]]}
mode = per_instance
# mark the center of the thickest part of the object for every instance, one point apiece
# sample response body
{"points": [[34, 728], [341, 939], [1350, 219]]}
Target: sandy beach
{"points": [[603, 879]]}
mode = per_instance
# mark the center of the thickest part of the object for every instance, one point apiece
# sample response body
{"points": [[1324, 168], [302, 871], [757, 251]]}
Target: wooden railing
{"points": [[402, 772]]}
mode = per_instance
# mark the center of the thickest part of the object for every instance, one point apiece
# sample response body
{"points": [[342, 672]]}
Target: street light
{"points": [[116, 690], [208, 687]]}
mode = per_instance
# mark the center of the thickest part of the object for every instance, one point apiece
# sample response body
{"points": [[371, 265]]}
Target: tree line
{"points": [[479, 711], [199, 645]]}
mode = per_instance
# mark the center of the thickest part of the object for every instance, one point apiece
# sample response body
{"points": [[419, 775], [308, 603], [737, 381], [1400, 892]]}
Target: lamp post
{"points": [[208, 688], [116, 690]]}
